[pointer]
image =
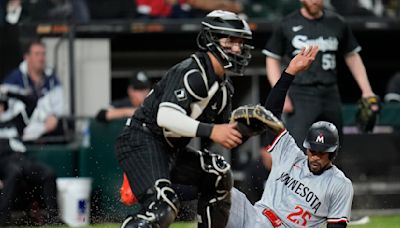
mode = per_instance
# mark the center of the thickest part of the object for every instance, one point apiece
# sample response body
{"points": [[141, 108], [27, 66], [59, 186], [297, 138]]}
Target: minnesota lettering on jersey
{"points": [[301, 190]]}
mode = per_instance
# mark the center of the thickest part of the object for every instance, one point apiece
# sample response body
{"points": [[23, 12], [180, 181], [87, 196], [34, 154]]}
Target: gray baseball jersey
{"points": [[297, 196]]}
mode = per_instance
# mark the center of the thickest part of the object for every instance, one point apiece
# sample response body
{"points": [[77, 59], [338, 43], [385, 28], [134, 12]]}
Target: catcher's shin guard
{"points": [[214, 203], [160, 213]]}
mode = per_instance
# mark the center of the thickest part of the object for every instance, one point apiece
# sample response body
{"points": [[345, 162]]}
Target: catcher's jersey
{"points": [[193, 88], [330, 33], [297, 196]]}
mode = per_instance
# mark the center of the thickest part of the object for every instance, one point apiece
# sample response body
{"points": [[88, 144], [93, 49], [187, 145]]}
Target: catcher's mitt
{"points": [[367, 113], [254, 120]]}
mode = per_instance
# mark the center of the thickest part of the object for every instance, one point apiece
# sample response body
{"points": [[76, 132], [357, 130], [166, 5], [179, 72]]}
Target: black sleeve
{"points": [[348, 42], [337, 225], [276, 43], [276, 97], [29, 101], [101, 116]]}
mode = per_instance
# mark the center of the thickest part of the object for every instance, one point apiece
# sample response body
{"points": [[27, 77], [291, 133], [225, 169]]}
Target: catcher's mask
{"points": [[224, 24], [322, 137]]}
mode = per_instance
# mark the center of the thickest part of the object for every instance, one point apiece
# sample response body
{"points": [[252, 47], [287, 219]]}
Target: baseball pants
{"points": [[243, 214]]}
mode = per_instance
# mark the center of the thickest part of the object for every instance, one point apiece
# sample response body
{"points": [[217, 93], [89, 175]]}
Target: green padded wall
{"points": [[61, 157], [99, 162]]}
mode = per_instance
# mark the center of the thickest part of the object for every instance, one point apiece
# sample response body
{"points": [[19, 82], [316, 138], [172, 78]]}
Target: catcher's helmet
{"points": [[322, 137], [224, 24]]}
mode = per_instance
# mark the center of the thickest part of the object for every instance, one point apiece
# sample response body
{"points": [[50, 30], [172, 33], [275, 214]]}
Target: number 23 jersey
{"points": [[330, 33], [299, 197]]}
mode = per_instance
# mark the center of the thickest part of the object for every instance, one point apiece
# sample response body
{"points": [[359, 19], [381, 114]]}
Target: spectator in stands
{"points": [[393, 89], [201, 7], [19, 175], [55, 11], [80, 11], [183, 8], [358, 7], [32, 77], [115, 9], [138, 88], [10, 11], [69, 9], [270, 9]]}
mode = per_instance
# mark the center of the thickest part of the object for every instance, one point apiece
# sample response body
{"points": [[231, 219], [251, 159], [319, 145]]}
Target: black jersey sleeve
{"points": [[275, 46], [348, 44], [101, 116]]}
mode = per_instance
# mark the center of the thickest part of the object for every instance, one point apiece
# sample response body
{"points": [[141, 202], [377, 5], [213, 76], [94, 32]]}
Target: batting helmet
{"points": [[322, 137], [224, 24]]}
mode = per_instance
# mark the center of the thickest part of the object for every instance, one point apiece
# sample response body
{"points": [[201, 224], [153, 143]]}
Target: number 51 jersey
{"points": [[330, 32], [299, 197]]}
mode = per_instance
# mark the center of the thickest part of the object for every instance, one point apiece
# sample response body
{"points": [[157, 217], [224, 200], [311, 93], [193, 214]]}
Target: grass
{"points": [[392, 221], [376, 222]]}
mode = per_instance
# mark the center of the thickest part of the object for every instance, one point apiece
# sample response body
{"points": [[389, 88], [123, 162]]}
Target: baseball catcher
{"points": [[193, 99]]}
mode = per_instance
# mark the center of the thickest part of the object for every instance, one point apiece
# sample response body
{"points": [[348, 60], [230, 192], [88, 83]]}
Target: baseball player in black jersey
{"points": [[314, 94], [193, 99]]}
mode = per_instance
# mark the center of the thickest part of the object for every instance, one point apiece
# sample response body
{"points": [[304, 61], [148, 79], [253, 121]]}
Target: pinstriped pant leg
{"points": [[143, 157]]}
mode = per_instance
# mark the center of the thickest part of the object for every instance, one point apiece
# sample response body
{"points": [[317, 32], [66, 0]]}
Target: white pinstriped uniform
{"points": [[297, 196]]}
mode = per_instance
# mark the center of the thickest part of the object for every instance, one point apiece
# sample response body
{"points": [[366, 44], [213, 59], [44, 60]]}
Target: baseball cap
{"points": [[140, 81]]}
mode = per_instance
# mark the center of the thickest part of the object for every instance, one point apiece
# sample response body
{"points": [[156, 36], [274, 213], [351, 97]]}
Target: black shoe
{"points": [[132, 222]]}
